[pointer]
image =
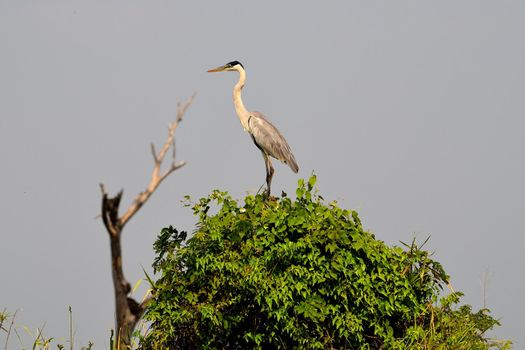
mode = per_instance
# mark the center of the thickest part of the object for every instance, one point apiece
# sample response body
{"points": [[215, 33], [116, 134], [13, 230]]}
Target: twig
{"points": [[154, 153], [9, 330], [70, 328], [40, 335], [3, 317]]}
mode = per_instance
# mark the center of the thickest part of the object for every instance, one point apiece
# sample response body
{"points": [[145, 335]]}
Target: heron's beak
{"points": [[218, 69]]}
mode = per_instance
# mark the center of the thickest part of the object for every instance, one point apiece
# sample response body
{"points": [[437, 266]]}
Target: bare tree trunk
{"points": [[127, 310]]}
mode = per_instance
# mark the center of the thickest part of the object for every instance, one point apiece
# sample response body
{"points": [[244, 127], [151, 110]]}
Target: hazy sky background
{"points": [[411, 112]]}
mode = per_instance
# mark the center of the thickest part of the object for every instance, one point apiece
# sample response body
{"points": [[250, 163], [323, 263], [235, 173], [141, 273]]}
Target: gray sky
{"points": [[411, 112]]}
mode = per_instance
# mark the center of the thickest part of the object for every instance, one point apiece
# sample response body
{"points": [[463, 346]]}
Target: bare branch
{"points": [[154, 153], [128, 310], [181, 109], [110, 207], [174, 153], [156, 176], [174, 166]]}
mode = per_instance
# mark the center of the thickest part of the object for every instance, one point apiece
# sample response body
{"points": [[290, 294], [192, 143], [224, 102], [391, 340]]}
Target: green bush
{"points": [[282, 274]]}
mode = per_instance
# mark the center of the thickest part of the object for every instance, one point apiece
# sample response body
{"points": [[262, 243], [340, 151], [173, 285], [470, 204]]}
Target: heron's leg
{"points": [[266, 161], [269, 173]]}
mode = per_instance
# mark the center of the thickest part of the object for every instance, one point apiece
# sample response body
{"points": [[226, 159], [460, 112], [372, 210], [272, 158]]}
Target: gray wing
{"points": [[269, 140]]}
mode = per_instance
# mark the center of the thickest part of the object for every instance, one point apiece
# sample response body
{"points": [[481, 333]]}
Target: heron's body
{"points": [[264, 134]]}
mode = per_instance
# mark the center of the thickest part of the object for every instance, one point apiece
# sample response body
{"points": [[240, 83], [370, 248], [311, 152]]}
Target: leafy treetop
{"points": [[282, 274]]}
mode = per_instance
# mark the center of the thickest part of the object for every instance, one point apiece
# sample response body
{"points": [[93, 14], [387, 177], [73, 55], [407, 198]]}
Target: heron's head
{"points": [[230, 66]]}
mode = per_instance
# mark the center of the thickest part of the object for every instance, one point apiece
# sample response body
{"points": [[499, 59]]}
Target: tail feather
{"points": [[292, 163]]}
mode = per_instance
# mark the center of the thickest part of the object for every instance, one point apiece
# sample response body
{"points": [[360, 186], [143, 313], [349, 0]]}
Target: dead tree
{"points": [[127, 310]]}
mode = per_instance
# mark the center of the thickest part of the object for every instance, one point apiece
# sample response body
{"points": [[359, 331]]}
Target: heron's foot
{"points": [[271, 198], [267, 192], [268, 197]]}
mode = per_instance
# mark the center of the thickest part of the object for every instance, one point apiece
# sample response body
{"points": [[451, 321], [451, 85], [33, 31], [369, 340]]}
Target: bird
{"points": [[264, 134]]}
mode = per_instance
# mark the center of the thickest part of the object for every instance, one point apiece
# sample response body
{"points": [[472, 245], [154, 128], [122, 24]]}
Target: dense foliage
{"points": [[281, 274]]}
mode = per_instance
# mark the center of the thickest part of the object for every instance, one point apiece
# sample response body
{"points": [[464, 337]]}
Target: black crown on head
{"points": [[234, 63]]}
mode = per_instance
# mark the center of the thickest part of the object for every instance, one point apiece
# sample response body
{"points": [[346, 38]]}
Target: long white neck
{"points": [[242, 113]]}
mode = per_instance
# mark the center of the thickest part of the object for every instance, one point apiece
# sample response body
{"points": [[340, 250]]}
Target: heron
{"points": [[264, 134]]}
